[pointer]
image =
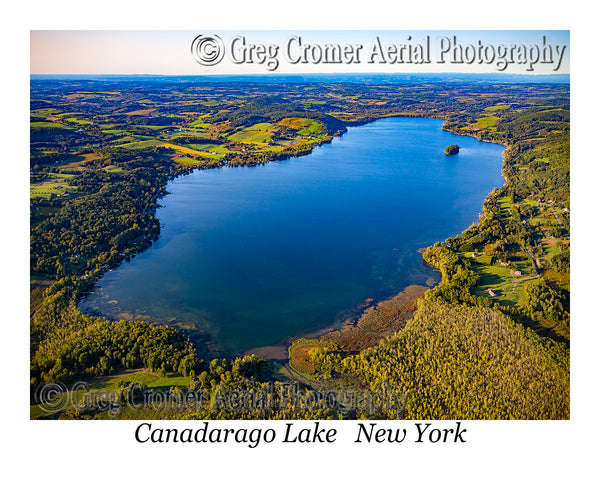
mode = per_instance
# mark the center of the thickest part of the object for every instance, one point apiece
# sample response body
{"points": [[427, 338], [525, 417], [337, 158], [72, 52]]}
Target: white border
{"points": [[495, 449]]}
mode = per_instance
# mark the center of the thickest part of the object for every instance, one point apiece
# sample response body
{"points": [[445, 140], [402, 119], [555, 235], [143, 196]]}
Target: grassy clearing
{"points": [[146, 111], [78, 166], [78, 121], [204, 161], [500, 106], [55, 184], [182, 149], [211, 103], [113, 168], [261, 133], [302, 132], [505, 204], [300, 357], [109, 387], [303, 126], [486, 122], [170, 380], [507, 286], [66, 114], [200, 121], [44, 112], [42, 125], [115, 131], [188, 161], [200, 124], [273, 148], [210, 148], [151, 127], [191, 133], [141, 144], [292, 122], [310, 128]]}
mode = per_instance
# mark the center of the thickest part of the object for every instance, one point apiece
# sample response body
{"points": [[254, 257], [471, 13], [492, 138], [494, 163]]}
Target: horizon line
{"points": [[270, 74]]}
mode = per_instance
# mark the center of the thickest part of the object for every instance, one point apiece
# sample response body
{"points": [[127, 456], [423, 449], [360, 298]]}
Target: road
{"points": [[556, 217]]}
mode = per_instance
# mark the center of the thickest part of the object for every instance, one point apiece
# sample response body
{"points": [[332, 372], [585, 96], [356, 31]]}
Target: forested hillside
{"points": [[460, 362]]}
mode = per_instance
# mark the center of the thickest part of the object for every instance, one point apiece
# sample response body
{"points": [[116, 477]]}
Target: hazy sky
{"points": [[169, 52]]}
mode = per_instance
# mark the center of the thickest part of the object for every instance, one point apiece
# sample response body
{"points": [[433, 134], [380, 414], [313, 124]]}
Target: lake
{"points": [[251, 256]]}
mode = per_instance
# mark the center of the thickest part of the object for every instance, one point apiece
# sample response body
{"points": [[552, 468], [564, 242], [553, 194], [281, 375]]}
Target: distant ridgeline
{"points": [[103, 150]]}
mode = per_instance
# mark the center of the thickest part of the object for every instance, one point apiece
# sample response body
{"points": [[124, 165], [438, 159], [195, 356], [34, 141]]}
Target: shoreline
{"points": [[364, 326]]}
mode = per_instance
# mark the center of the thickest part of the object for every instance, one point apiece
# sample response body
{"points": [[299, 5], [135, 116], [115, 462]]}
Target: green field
{"points": [[188, 161], [508, 287], [64, 114], [505, 204], [49, 125], [110, 387], [211, 103], [273, 148], [182, 149], [151, 127], [209, 148], [142, 144], [260, 133], [78, 121], [115, 131], [113, 168], [497, 107], [299, 132], [204, 161], [200, 121], [310, 127], [44, 112], [486, 122]]}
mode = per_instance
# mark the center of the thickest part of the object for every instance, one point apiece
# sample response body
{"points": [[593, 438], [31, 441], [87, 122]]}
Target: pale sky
{"points": [[168, 52]]}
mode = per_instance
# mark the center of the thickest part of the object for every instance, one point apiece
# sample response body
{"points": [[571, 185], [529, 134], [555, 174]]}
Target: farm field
{"points": [[101, 390], [56, 184], [503, 280]]}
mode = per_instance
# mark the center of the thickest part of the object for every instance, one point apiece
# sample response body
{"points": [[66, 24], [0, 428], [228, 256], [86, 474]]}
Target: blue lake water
{"points": [[253, 255]]}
